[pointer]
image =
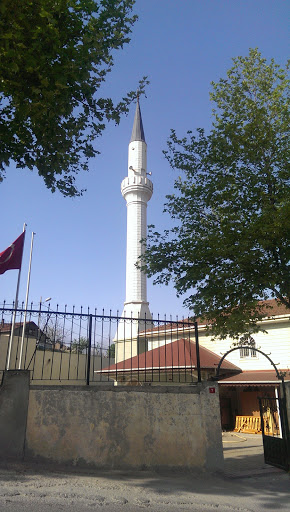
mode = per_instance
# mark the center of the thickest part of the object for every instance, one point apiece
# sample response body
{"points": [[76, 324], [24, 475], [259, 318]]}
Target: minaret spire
{"points": [[138, 130], [137, 190]]}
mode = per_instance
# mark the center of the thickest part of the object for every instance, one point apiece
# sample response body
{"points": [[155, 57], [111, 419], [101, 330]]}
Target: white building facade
{"points": [[273, 339]]}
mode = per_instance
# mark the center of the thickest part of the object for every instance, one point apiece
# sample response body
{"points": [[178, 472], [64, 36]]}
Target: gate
{"points": [[275, 432]]}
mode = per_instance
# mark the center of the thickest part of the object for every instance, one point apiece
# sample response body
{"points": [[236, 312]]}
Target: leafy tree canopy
{"points": [[230, 244], [54, 57]]}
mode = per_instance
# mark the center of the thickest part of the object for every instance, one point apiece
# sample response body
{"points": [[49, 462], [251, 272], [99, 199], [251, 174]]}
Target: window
{"points": [[244, 352], [253, 352], [248, 352]]}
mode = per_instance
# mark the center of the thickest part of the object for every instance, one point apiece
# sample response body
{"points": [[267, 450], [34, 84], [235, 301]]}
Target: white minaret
{"points": [[137, 190]]}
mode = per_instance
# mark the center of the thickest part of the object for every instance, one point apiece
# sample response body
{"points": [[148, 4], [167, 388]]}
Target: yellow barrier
{"points": [[250, 424]]}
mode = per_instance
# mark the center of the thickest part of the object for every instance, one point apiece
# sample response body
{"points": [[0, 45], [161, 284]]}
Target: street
{"points": [[36, 488]]}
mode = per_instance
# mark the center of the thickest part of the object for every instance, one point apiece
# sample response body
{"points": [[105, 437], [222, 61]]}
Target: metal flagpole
{"points": [[15, 306], [26, 303]]}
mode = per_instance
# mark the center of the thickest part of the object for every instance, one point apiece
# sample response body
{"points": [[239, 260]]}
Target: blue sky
{"points": [[80, 244]]}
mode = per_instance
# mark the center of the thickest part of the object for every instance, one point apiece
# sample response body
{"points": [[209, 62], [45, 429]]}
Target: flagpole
{"points": [[15, 306], [26, 303]]}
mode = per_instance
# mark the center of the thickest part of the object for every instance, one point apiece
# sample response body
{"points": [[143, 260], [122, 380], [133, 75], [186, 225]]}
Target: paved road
{"points": [[244, 454], [33, 488], [247, 485]]}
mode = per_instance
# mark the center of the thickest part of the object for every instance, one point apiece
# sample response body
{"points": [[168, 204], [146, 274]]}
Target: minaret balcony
{"points": [[137, 184]]}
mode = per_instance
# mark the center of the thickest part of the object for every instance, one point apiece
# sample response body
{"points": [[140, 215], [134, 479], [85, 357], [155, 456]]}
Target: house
{"points": [[239, 394], [239, 398], [252, 374], [31, 329], [33, 337], [170, 363]]}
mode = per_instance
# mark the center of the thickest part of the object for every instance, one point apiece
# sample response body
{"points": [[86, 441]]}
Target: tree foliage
{"points": [[54, 58], [80, 345], [111, 351], [229, 247]]}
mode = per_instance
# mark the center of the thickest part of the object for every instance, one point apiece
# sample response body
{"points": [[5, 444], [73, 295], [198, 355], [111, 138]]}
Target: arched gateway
{"points": [[276, 448]]}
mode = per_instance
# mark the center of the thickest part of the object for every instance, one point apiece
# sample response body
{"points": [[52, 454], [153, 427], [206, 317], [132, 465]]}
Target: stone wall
{"points": [[126, 427]]}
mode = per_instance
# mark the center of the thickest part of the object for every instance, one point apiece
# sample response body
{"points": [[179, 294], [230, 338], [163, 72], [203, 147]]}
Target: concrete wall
{"points": [[14, 393], [126, 427], [66, 368], [49, 366]]}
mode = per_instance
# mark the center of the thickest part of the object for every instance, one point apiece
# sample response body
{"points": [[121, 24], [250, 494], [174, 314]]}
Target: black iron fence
{"points": [[275, 431], [85, 347]]}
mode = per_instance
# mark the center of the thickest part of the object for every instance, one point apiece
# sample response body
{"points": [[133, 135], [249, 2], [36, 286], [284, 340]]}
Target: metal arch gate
{"points": [[275, 432], [276, 447]]}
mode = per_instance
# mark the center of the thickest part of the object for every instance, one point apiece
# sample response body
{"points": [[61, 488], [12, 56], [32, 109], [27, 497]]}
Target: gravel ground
{"points": [[35, 488]]}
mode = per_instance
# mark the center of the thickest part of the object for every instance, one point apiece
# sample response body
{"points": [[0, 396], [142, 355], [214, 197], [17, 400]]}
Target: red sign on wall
{"points": [[211, 390]]}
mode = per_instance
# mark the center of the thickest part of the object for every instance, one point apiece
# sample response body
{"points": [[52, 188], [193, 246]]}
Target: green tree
{"points": [[54, 58], [79, 345], [111, 351], [229, 246]]}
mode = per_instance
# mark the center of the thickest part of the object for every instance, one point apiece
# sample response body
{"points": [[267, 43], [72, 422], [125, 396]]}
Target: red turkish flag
{"points": [[11, 258]]}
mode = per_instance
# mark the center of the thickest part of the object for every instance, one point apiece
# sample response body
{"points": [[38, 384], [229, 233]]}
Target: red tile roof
{"points": [[178, 355], [274, 308], [255, 377], [179, 325], [6, 327], [271, 308]]}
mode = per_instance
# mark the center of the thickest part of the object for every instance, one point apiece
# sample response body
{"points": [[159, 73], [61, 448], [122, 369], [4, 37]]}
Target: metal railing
{"points": [[84, 347]]}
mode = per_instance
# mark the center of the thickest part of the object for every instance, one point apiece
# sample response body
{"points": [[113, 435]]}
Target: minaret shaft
{"points": [[136, 282], [137, 190]]}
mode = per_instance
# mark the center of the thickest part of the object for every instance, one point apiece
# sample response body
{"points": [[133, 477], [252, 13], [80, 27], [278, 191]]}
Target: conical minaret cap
{"points": [[138, 130]]}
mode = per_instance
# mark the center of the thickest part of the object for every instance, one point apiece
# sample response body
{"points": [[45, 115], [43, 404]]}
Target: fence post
{"points": [[89, 349], [197, 352]]}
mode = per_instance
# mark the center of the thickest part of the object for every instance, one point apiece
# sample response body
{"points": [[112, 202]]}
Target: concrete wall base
{"points": [[14, 395]]}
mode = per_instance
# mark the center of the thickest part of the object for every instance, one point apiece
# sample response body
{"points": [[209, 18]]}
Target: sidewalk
{"points": [[244, 456]]}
